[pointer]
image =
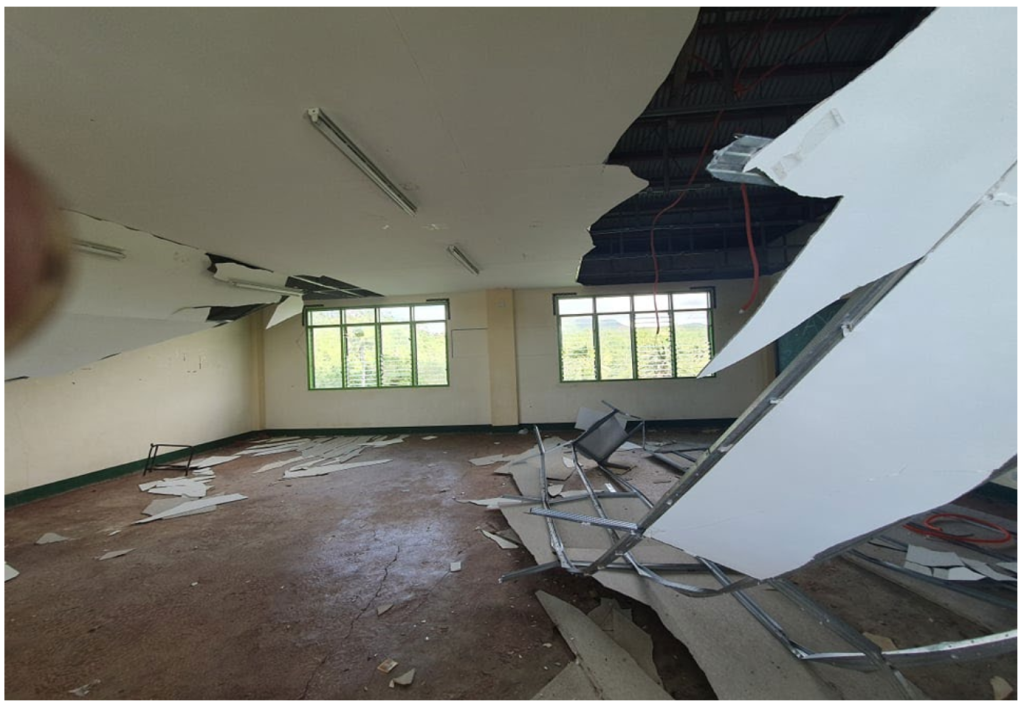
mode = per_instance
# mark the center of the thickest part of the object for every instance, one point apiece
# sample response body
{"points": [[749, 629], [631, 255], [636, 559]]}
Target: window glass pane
{"points": [[360, 357], [431, 354], [613, 304], [578, 360], [653, 350], [326, 357], [324, 317], [431, 312], [645, 303], [616, 346], [575, 305], [359, 316], [394, 314], [691, 300], [693, 348], [395, 354]]}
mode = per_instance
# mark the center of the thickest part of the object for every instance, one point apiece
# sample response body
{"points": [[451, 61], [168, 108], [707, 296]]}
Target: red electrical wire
{"points": [[806, 45], [654, 224], [753, 253], [750, 50], [933, 531], [739, 91]]}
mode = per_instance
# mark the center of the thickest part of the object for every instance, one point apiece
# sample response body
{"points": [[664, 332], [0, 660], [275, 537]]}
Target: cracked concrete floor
{"points": [[288, 585]]}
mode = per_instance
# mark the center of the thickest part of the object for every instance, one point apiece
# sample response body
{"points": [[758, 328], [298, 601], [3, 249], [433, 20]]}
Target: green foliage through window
{"points": [[622, 337], [394, 346]]}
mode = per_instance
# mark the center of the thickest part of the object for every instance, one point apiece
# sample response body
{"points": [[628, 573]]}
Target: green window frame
{"points": [[377, 346], [616, 337]]}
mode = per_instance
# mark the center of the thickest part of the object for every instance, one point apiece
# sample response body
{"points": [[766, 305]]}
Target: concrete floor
{"points": [[289, 581]]}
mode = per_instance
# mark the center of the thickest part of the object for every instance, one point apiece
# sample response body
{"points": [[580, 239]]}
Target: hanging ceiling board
{"points": [[909, 145], [159, 291], [914, 407], [495, 122], [286, 310]]}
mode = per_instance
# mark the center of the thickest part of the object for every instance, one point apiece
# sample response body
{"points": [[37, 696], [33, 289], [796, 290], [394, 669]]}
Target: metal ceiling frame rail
{"points": [[868, 657]]}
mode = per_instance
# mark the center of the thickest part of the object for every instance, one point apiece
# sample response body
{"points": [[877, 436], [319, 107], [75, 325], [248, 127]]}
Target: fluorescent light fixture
{"points": [[105, 251], [460, 257], [287, 291], [343, 142]]}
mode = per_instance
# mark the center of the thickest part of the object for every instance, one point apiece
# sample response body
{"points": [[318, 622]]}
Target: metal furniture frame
{"points": [[154, 451]]}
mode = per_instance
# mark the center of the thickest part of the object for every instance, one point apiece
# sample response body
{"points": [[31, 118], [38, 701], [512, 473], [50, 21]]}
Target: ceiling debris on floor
{"points": [[10, 573], [48, 538]]}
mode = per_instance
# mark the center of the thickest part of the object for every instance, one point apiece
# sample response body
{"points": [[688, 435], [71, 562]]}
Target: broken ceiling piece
{"points": [[933, 437], [613, 672], [883, 642], [570, 684], [116, 306], [405, 679], [618, 624], [214, 461], [492, 504], [191, 506], [960, 574], [114, 553], [1001, 689], [47, 538], [428, 438], [502, 542], [384, 608], [455, 566], [331, 468], [493, 459], [889, 157], [920, 569], [9, 572], [278, 464], [932, 558]]}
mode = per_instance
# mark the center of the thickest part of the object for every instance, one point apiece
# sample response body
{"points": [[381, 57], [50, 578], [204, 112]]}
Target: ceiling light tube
{"points": [[344, 143], [99, 249], [462, 260], [287, 291]]}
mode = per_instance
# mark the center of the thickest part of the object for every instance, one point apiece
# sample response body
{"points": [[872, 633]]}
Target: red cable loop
{"points": [[929, 523]]}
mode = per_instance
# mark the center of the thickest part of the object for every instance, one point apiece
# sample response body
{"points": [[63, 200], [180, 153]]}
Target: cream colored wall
{"points": [[193, 389], [466, 401], [478, 373], [542, 398]]}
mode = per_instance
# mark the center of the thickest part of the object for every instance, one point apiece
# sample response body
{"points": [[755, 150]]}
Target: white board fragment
{"points": [[910, 410], [330, 468], [985, 569], [932, 558], [213, 461], [291, 307], [114, 553], [9, 572], [920, 569], [492, 459], [277, 464], [907, 151], [47, 538], [191, 506], [956, 573], [502, 542]]}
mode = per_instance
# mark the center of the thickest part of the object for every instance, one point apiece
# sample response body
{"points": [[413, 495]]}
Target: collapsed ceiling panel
{"points": [[497, 137], [158, 290], [909, 145], [914, 407]]}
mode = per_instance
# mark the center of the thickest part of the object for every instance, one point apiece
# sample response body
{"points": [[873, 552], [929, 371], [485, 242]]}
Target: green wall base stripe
{"points": [[45, 491]]}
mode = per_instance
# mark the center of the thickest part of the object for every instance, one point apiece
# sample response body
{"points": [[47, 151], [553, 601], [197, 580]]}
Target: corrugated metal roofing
{"points": [[678, 118]]}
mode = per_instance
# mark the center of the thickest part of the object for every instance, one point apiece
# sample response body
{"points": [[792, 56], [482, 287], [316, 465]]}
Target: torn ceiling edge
{"points": [[909, 410], [158, 291], [909, 145]]}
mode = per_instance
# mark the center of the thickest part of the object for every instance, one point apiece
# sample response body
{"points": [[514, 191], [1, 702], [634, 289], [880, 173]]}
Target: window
{"points": [[621, 337], [391, 346]]}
